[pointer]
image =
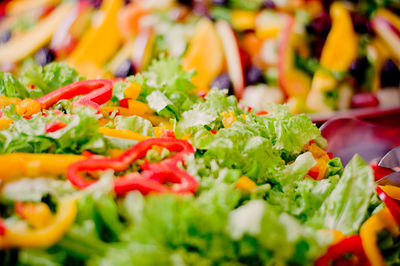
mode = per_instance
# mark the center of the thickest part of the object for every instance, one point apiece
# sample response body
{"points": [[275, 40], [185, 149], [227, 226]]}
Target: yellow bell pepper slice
{"points": [[368, 232], [36, 214], [243, 20], [18, 7], [338, 53], [122, 133], [101, 42], [205, 55], [27, 43], [31, 165], [245, 183], [5, 122], [391, 191], [23, 237], [133, 90]]}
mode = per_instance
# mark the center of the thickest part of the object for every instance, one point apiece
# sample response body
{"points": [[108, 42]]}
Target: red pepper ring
{"points": [[350, 244], [161, 172], [391, 204], [149, 181], [96, 92]]}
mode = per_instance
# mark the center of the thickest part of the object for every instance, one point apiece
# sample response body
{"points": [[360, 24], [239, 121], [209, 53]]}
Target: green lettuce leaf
{"points": [[347, 205], [134, 123], [11, 87], [44, 80], [29, 135], [173, 85]]}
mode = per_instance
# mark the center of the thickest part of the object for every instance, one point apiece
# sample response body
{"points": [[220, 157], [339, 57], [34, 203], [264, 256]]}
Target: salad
{"points": [[315, 55], [143, 171]]}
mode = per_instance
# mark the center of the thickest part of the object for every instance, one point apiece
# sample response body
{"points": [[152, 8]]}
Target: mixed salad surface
{"points": [[143, 171], [316, 55]]}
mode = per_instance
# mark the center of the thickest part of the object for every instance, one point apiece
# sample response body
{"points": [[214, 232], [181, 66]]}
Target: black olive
{"points": [[358, 69], [269, 4], [254, 76], [186, 2], [361, 24], [219, 2], [390, 75], [5, 37], [44, 56], [96, 3], [222, 82], [125, 69], [320, 25]]}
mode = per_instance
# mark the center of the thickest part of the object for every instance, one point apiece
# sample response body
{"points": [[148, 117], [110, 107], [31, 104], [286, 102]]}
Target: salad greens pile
{"points": [[286, 218]]}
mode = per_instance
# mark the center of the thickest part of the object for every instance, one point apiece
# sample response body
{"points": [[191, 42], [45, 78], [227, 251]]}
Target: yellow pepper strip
{"points": [[102, 40], [23, 237], [243, 20], [342, 42], [245, 183], [5, 101], [107, 110], [139, 108], [36, 214], [392, 191], [5, 122], [322, 159], [122, 133], [133, 91], [135, 108], [25, 44], [24, 107], [228, 118], [156, 120], [18, 7], [31, 165], [205, 54], [368, 232], [29, 107]]}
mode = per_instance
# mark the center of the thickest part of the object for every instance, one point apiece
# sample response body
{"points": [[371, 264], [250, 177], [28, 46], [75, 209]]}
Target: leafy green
{"points": [[134, 123], [11, 87], [251, 5], [44, 80], [173, 86], [29, 135], [347, 205], [207, 113]]}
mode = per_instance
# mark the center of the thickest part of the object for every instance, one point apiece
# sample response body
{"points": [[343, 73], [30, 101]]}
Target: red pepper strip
{"points": [[168, 133], [262, 112], [54, 126], [161, 172], [2, 227], [96, 93], [153, 181], [350, 244], [390, 204], [380, 172]]}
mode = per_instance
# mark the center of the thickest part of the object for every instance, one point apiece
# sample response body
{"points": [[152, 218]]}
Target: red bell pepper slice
{"points": [[54, 126], [391, 204], [153, 176], [350, 244], [261, 112], [96, 92], [380, 172], [2, 227]]}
